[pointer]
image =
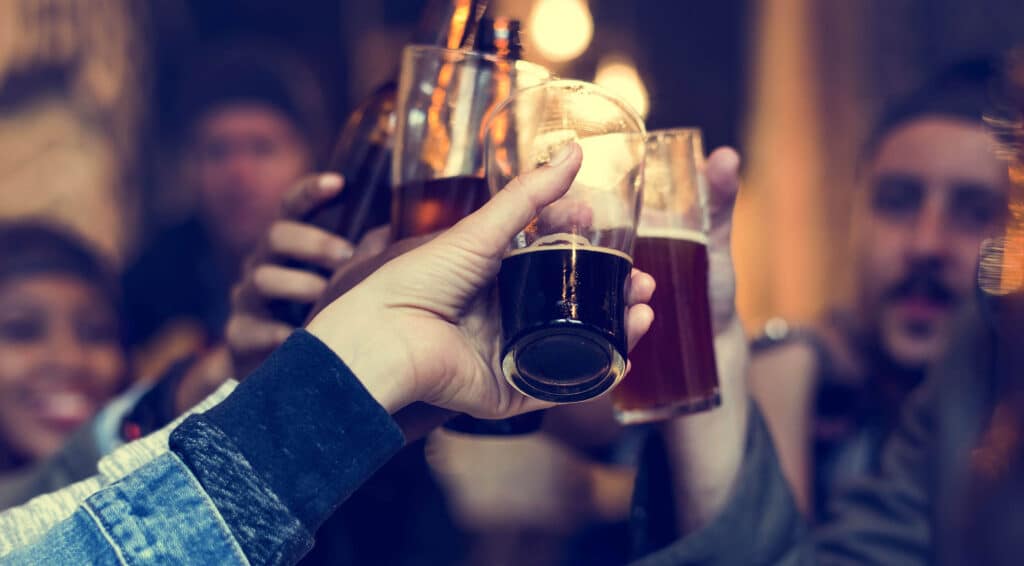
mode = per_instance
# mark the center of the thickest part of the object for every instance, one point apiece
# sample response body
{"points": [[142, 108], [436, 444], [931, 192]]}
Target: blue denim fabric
{"points": [[266, 531], [157, 515], [287, 447]]}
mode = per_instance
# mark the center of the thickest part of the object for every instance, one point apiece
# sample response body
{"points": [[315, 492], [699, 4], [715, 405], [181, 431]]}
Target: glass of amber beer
{"points": [[562, 285], [437, 168], [673, 367]]}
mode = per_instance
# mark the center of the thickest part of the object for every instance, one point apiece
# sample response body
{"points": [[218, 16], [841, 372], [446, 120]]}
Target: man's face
{"points": [[247, 155], [936, 190]]}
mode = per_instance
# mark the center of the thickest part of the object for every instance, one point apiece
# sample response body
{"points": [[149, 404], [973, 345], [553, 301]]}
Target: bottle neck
{"points": [[450, 23], [500, 37]]}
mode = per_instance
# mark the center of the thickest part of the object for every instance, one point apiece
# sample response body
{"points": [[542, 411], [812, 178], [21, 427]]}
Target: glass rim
{"points": [[653, 135], [568, 84], [415, 49]]}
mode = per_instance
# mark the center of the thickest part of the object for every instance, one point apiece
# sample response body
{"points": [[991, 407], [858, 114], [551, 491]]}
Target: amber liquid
{"points": [[673, 366], [423, 207]]}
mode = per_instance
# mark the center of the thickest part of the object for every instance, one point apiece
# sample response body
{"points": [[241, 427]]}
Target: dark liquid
{"points": [[563, 318], [674, 364], [422, 207]]}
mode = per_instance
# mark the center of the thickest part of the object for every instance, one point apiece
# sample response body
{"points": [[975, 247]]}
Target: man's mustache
{"points": [[922, 283]]}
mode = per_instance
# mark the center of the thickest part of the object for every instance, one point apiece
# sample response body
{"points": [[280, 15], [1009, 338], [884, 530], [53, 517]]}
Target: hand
{"points": [[252, 332], [424, 327], [373, 251]]}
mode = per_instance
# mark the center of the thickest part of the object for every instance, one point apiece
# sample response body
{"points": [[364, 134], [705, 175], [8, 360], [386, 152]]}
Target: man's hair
{"points": [[254, 71], [965, 91]]}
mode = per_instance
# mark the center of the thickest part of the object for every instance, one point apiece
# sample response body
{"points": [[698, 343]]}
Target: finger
{"points": [[289, 239], [641, 288], [276, 282], [488, 231], [722, 172], [638, 321], [246, 334], [374, 242], [309, 193], [564, 215]]}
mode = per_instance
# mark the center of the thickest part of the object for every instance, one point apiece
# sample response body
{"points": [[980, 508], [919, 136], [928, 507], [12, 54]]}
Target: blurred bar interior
{"points": [[87, 89], [89, 102]]}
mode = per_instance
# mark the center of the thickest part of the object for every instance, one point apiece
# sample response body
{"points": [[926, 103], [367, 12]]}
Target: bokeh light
{"points": [[560, 30], [619, 75]]}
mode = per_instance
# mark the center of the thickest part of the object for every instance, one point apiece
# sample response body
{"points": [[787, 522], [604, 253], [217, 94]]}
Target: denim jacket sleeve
{"points": [[23, 525], [250, 480], [157, 515]]}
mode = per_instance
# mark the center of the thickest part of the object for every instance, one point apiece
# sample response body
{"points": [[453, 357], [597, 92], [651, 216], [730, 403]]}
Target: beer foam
{"points": [[570, 247], [673, 234]]}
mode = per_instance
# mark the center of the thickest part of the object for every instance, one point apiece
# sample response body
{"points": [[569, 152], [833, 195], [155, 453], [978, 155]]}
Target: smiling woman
{"points": [[61, 354]]}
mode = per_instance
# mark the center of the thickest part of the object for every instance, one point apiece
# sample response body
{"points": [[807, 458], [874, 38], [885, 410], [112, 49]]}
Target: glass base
{"points": [[656, 414], [563, 364]]}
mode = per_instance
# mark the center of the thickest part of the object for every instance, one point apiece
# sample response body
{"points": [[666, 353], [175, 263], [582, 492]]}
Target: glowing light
{"points": [[560, 30], [619, 75]]}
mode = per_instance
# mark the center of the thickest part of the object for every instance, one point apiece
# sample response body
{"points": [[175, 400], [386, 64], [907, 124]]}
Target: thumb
{"points": [[722, 172], [488, 231]]}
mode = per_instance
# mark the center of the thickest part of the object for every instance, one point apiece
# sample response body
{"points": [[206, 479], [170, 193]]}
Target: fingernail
{"points": [[341, 251], [561, 155], [330, 181]]}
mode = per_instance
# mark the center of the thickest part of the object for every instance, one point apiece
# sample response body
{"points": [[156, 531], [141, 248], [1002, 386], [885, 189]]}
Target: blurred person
{"points": [[934, 190], [62, 356], [251, 120], [151, 404], [711, 489], [399, 515], [243, 499]]}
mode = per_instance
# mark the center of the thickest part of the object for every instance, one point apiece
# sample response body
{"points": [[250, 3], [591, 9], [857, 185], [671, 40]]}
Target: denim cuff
{"points": [[263, 526], [301, 428]]}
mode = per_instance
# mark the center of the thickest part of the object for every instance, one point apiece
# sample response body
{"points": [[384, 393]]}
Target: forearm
{"points": [[249, 481], [705, 450], [291, 444], [757, 523]]}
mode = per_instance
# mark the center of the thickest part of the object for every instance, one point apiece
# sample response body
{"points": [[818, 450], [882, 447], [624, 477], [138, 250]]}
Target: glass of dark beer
{"points": [[673, 370], [437, 169], [562, 285]]}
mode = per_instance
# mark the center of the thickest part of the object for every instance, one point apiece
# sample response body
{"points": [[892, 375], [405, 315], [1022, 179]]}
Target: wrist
{"points": [[362, 344]]}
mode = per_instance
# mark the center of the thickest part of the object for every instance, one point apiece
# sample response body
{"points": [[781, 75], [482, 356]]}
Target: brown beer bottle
{"points": [[500, 37], [362, 152]]}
